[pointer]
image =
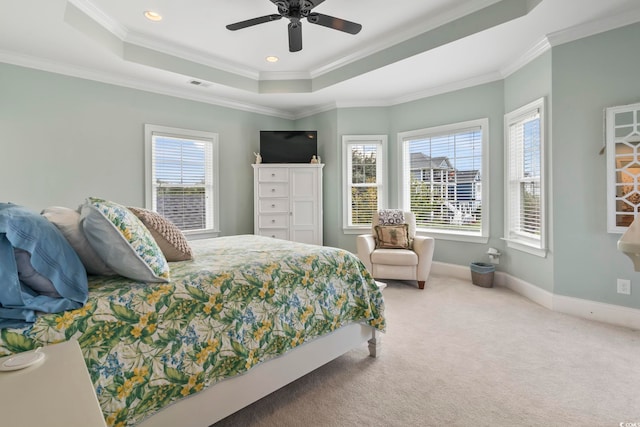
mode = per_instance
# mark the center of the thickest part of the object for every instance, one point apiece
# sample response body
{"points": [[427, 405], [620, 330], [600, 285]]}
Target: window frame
{"points": [[404, 189], [381, 173], [212, 205], [525, 242]]}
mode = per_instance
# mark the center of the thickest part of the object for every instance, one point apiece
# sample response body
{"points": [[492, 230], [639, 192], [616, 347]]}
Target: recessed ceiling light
{"points": [[152, 16], [272, 58]]}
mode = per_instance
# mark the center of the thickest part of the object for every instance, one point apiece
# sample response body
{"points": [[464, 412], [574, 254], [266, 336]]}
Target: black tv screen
{"points": [[288, 146]]}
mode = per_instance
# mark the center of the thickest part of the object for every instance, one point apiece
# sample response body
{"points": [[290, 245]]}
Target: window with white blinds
{"points": [[524, 187], [364, 189], [443, 184], [182, 177]]}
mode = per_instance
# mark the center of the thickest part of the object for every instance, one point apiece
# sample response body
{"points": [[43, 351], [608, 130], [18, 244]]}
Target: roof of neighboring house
{"points": [[422, 161]]}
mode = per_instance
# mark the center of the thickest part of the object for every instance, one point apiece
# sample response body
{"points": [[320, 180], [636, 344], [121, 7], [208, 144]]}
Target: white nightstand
{"points": [[55, 392]]}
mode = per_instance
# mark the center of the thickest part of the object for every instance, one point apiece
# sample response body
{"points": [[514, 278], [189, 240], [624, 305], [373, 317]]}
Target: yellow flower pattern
{"points": [[240, 302]]}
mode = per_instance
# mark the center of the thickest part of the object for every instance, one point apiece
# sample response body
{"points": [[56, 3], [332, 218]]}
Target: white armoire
{"points": [[288, 201]]}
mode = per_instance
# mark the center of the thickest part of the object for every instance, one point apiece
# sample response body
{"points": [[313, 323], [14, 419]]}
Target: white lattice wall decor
{"points": [[623, 166]]}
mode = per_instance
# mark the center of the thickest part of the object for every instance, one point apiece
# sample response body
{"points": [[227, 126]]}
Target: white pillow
{"points": [[122, 241], [68, 222]]}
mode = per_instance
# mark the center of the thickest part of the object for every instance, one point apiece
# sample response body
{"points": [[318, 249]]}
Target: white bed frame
{"points": [[228, 396]]}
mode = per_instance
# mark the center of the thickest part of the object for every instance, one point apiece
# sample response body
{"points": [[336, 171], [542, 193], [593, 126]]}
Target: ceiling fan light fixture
{"points": [[152, 16], [295, 11], [272, 58]]}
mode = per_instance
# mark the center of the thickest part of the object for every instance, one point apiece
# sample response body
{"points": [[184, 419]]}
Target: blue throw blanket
{"points": [[52, 257]]}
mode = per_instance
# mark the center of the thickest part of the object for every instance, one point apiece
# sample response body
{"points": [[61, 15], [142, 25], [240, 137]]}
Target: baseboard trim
{"points": [[593, 310]]}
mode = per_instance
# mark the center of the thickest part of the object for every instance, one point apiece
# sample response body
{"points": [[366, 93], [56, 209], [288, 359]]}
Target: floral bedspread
{"points": [[241, 301]]}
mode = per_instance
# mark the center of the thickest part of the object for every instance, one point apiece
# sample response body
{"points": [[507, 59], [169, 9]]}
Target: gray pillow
{"points": [[30, 277]]}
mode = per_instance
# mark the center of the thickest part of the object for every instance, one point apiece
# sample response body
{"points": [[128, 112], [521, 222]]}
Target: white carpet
{"points": [[456, 354]]}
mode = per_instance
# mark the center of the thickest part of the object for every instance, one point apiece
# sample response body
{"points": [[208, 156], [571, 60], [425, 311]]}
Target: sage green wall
{"points": [[326, 125], [589, 75], [483, 101], [332, 126], [529, 83], [63, 139], [358, 121]]}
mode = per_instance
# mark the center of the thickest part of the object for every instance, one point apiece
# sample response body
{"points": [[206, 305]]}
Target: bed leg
{"points": [[375, 343]]}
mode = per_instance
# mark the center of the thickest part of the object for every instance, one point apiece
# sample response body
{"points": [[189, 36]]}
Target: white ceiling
{"points": [[111, 41]]}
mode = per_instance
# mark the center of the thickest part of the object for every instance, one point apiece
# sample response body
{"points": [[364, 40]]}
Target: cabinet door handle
{"points": [[273, 175], [273, 206], [273, 221], [273, 190]]}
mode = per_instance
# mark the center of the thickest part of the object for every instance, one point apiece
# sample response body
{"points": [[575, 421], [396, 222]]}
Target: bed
{"points": [[246, 316]]}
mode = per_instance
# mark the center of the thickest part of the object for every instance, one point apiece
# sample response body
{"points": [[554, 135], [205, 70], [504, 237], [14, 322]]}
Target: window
{"points": [[443, 179], [182, 178], [364, 190], [524, 176]]}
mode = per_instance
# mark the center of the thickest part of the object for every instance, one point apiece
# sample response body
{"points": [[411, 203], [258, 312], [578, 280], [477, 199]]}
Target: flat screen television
{"points": [[288, 146]]}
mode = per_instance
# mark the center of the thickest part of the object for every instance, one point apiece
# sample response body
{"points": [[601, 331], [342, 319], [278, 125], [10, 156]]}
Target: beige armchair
{"points": [[398, 264]]}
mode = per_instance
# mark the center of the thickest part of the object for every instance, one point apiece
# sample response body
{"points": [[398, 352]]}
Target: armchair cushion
{"points": [[392, 236], [394, 257]]}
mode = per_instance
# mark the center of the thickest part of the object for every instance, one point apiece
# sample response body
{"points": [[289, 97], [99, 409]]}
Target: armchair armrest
{"points": [[365, 245], [424, 246]]}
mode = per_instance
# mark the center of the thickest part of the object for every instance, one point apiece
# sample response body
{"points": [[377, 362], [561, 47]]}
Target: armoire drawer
{"points": [[273, 206], [273, 221], [276, 233], [273, 174], [273, 189]]}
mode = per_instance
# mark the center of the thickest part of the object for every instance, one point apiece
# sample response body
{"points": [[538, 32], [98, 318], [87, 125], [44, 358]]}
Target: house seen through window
{"points": [[443, 178]]}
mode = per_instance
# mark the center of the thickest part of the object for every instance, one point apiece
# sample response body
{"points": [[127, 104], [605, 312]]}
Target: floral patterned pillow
{"points": [[122, 241], [392, 236]]}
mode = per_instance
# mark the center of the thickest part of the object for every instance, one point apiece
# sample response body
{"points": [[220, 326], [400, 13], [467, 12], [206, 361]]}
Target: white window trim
{"points": [[537, 247], [149, 131], [381, 168], [403, 190], [610, 141]]}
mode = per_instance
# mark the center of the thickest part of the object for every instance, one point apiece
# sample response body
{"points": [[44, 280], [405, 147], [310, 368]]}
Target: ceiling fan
{"points": [[295, 11]]}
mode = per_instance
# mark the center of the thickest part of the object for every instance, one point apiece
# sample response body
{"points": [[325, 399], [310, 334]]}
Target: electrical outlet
{"points": [[624, 286]]}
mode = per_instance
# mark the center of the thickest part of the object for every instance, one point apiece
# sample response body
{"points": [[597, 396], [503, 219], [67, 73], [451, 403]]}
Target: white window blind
{"points": [[443, 178], [183, 177], [524, 175], [364, 189]]}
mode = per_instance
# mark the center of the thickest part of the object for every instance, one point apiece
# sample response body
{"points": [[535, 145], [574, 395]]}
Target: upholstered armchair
{"points": [[390, 260]]}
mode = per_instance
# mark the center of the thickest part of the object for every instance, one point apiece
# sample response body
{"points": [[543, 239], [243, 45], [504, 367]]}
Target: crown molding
{"points": [[535, 51], [396, 38], [284, 75], [109, 78], [341, 104], [446, 88], [95, 13], [312, 111], [189, 54], [594, 27]]}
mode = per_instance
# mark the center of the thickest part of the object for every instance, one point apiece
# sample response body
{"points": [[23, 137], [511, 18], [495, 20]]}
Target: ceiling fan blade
{"points": [[251, 22], [295, 36], [335, 23]]}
